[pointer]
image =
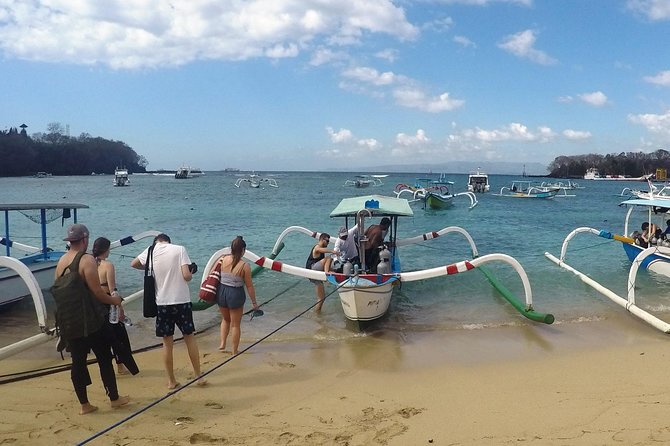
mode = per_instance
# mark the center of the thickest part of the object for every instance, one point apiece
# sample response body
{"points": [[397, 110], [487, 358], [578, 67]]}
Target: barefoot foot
{"points": [[173, 385], [87, 408], [201, 382], [122, 401]]}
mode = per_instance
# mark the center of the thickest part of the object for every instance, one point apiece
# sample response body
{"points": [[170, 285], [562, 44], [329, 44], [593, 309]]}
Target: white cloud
{"points": [[156, 33], [521, 45], [662, 78], [512, 132], [659, 124], [439, 25], [565, 99], [342, 136], [322, 56], [389, 55], [656, 10], [596, 98], [415, 98], [371, 76], [464, 41], [576, 134], [370, 144], [485, 2], [412, 140]]}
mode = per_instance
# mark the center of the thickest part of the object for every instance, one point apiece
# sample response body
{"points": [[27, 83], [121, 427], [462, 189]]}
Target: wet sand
{"points": [[567, 384]]}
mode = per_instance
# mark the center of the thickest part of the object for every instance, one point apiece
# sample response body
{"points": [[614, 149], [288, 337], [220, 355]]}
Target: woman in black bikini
{"points": [[318, 261]]}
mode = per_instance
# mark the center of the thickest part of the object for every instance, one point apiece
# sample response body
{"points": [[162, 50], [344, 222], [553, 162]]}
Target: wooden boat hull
{"points": [[13, 288], [364, 300]]}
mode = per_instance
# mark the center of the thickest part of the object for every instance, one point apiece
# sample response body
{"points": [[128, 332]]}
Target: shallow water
{"points": [[205, 214]]}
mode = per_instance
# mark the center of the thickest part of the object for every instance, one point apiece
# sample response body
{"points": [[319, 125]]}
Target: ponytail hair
{"points": [[237, 248]]}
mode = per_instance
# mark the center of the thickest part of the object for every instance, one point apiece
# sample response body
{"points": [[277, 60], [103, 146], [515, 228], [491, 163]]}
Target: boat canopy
{"points": [[655, 202], [378, 205], [38, 206]]}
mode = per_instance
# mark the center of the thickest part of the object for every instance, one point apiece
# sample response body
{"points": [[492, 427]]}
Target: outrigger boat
{"points": [[433, 194], [361, 181], [655, 258], [526, 189], [40, 260], [366, 296], [255, 181], [568, 185]]}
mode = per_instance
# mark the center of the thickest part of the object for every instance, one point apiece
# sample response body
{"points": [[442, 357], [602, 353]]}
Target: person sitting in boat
{"points": [[345, 248], [648, 233], [318, 261], [375, 240]]}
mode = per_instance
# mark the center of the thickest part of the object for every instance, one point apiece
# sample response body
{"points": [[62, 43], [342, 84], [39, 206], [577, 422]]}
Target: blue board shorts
{"points": [[231, 297], [168, 316]]}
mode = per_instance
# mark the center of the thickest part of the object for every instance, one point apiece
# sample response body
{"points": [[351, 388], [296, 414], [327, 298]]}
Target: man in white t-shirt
{"points": [[173, 270], [345, 247]]}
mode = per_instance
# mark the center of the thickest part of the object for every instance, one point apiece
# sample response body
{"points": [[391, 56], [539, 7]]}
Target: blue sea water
{"points": [[204, 214]]}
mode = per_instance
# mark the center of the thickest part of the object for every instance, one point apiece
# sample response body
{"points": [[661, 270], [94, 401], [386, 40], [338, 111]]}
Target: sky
{"points": [[332, 84]]}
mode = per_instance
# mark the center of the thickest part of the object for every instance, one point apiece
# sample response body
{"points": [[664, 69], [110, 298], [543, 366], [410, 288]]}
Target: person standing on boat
{"points": [[230, 296], [375, 239], [123, 353], [345, 248], [318, 261], [173, 270], [98, 341]]}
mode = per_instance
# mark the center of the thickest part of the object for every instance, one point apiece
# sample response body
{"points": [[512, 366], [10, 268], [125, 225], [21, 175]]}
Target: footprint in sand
{"points": [[201, 437], [213, 405], [408, 412]]}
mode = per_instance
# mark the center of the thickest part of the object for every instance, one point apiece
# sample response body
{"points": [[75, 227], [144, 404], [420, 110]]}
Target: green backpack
{"points": [[78, 312]]}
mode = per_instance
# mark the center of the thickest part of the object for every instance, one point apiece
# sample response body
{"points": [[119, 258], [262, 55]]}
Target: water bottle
{"points": [[114, 311], [114, 314]]}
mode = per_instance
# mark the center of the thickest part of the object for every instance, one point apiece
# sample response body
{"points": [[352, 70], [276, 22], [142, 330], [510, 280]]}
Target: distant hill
{"points": [[490, 167]]}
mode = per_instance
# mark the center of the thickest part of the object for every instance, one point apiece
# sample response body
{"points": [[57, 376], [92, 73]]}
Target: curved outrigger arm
{"points": [[38, 299], [435, 234], [471, 196], [287, 231], [599, 232]]}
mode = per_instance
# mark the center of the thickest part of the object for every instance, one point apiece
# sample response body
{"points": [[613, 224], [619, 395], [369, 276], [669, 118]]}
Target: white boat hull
{"points": [[365, 302], [13, 288]]}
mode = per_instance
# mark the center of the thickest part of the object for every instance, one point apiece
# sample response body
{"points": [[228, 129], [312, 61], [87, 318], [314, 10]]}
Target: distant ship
{"points": [[231, 169], [593, 174]]}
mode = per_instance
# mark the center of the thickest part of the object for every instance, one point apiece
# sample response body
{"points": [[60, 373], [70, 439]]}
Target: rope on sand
{"points": [[196, 379]]}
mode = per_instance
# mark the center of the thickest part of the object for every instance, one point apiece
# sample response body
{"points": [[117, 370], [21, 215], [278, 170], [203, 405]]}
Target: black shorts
{"points": [[168, 316]]}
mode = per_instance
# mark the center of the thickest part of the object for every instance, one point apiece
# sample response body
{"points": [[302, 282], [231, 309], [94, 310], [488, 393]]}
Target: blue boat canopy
{"points": [[378, 205]]}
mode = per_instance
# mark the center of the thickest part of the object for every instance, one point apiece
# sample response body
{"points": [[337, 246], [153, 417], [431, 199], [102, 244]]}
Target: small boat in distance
{"points": [[185, 172], [526, 189], [593, 174], [362, 181], [42, 175], [121, 177], [434, 194], [478, 182], [256, 181]]}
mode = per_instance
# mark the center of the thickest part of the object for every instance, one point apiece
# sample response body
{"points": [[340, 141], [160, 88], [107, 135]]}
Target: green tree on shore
{"points": [[60, 154], [633, 164]]}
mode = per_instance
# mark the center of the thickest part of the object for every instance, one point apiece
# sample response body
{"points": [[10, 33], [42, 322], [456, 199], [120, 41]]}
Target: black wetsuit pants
{"points": [[79, 348]]}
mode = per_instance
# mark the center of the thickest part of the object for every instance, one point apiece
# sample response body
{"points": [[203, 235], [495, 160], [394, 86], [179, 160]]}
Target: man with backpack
{"points": [[81, 317]]}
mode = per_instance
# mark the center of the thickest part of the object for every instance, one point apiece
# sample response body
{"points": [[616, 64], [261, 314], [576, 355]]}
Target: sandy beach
{"points": [[577, 384]]}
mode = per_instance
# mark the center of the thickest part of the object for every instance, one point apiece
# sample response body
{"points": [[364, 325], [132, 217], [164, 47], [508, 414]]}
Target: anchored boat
{"points": [[121, 177], [366, 296], [255, 181], [433, 194], [478, 182], [653, 255], [362, 181], [526, 189]]}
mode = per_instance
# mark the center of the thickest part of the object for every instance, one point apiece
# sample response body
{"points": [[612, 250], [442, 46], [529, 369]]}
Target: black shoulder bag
{"points": [[150, 308]]}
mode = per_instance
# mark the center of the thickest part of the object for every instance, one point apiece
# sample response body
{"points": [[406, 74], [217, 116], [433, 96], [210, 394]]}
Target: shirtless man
{"points": [[375, 239]]}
